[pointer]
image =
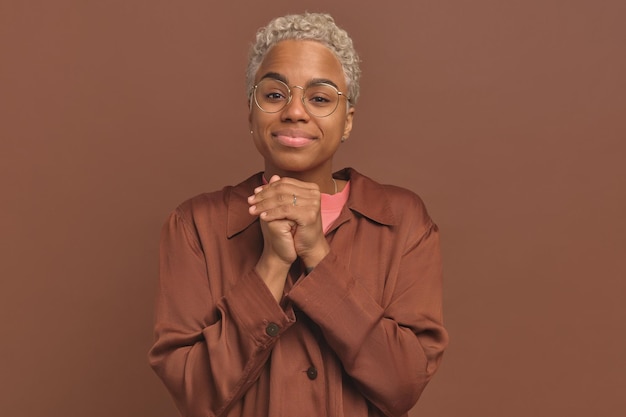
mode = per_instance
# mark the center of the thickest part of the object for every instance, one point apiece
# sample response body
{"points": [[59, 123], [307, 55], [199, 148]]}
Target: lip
{"points": [[293, 138]]}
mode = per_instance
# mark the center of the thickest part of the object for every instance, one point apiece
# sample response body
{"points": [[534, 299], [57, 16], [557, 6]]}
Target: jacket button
{"points": [[272, 329], [311, 373]]}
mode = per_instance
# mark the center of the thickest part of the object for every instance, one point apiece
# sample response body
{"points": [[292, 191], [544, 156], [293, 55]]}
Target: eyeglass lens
{"points": [[320, 100]]}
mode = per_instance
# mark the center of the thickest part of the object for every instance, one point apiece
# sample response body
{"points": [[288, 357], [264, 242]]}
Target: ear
{"points": [[348, 125]]}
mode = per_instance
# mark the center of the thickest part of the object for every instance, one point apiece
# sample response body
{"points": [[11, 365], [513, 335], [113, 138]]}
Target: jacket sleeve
{"points": [[392, 350], [208, 349]]}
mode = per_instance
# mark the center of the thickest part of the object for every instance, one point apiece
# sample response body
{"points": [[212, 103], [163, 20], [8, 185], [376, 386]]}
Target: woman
{"points": [[299, 292]]}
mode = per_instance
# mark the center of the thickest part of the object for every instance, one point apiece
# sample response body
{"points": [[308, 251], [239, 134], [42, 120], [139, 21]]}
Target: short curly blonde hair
{"points": [[318, 27]]}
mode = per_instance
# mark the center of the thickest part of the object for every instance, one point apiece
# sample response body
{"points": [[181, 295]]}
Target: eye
{"points": [[319, 99], [275, 96], [272, 91], [321, 95]]}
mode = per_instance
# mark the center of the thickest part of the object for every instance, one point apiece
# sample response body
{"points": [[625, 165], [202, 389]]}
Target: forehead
{"points": [[300, 61]]}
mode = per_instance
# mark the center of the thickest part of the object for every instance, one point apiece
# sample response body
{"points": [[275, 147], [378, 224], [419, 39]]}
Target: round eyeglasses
{"points": [[319, 99]]}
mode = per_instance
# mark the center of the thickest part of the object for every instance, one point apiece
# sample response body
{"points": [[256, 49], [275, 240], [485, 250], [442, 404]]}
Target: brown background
{"points": [[507, 117]]}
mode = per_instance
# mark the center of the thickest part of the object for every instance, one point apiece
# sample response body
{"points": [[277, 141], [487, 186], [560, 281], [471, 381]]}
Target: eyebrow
{"points": [[323, 80], [280, 77], [275, 76]]}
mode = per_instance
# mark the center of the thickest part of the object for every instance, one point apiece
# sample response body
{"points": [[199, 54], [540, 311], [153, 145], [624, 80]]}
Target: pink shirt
{"points": [[332, 205]]}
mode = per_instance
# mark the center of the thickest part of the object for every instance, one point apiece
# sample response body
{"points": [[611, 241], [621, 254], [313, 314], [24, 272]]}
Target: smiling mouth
{"points": [[293, 141]]}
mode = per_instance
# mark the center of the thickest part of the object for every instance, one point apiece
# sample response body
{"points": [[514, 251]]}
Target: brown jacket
{"points": [[361, 335]]}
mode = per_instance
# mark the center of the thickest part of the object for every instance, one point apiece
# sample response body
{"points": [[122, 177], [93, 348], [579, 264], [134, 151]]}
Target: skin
{"points": [[298, 150]]}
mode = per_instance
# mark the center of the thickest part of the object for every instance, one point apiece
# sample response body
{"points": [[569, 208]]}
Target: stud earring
{"points": [[343, 139]]}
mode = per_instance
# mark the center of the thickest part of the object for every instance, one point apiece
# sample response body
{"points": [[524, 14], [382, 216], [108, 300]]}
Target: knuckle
{"points": [[315, 192]]}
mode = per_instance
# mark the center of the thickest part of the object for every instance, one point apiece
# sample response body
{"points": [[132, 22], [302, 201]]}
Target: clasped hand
{"points": [[291, 222]]}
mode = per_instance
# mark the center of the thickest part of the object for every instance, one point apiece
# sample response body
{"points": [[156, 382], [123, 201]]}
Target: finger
{"points": [[269, 211], [279, 205], [280, 226], [277, 200], [303, 215], [258, 190], [286, 186], [292, 198]]}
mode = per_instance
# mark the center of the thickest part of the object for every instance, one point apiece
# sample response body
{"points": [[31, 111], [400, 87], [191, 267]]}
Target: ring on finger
{"points": [[295, 199]]}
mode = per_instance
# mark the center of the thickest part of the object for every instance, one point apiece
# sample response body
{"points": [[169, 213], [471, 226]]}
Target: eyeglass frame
{"points": [[339, 94]]}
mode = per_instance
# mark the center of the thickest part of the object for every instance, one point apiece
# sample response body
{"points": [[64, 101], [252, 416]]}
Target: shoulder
{"points": [[408, 208], [401, 196], [203, 204], [386, 203], [216, 204]]}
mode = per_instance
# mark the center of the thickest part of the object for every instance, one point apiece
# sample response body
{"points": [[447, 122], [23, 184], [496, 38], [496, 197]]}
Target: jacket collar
{"points": [[367, 197], [363, 193], [238, 218]]}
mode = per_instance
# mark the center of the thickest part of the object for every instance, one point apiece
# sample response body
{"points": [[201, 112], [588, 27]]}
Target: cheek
{"points": [[260, 145], [334, 127], [259, 121]]}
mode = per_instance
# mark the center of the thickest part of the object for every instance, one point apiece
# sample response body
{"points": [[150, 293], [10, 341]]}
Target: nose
{"points": [[295, 110]]}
